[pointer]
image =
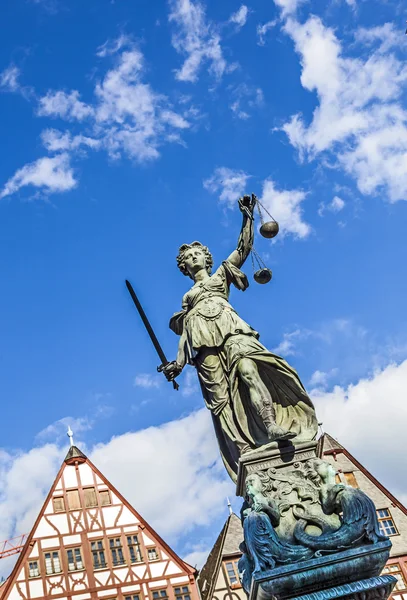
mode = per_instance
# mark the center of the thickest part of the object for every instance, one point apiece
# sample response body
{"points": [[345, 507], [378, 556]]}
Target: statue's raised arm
{"points": [[246, 237]]}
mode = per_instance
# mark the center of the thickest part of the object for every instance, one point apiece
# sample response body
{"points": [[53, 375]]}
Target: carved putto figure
{"points": [[254, 396]]}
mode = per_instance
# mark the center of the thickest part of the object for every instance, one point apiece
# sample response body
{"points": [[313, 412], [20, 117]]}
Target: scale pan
{"points": [[269, 229], [262, 276]]}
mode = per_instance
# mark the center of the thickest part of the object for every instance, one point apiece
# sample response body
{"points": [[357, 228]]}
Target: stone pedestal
{"points": [[306, 537], [274, 455]]}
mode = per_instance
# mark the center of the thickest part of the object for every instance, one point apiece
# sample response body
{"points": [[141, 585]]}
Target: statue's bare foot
{"points": [[275, 433]]}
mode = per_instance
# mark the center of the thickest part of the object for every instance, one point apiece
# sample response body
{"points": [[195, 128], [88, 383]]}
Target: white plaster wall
{"points": [[70, 478], [172, 568], [157, 569], [36, 588], [86, 475], [50, 542]]}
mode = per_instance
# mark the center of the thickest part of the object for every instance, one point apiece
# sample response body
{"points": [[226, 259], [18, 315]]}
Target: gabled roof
{"points": [[328, 445], [75, 457], [226, 545]]}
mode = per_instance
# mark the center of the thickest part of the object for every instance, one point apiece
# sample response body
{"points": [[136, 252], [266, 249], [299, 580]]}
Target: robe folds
{"points": [[214, 338]]}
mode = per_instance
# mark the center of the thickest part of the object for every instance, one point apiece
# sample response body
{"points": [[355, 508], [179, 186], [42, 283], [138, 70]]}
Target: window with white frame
{"points": [[182, 593], [33, 569], [152, 554], [134, 548], [75, 562], [396, 571], [52, 562], [116, 551], [98, 554], [386, 523]]}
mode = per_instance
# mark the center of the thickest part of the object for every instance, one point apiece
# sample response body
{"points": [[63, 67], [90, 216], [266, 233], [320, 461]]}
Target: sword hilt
{"points": [[160, 369]]}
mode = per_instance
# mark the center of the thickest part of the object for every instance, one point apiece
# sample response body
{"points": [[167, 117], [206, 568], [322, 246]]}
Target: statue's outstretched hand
{"points": [[247, 204], [172, 370]]}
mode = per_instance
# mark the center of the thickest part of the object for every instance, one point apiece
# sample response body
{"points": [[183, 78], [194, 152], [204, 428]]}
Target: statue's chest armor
{"points": [[210, 308]]}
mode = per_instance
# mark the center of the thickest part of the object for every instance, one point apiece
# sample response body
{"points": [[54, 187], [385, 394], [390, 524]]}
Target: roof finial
{"points": [[321, 429], [229, 507], [69, 433]]}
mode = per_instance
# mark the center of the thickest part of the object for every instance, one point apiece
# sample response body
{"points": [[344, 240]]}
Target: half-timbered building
{"points": [[88, 543]]}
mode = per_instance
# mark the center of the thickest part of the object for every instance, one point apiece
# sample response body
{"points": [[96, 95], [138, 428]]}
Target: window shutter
{"points": [[59, 504], [104, 498], [90, 497], [73, 499]]}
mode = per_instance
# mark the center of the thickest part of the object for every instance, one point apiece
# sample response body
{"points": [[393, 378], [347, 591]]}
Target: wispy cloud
{"points": [[125, 118], [9, 79], [239, 18], [336, 205], [147, 381], [230, 184], [263, 29], [51, 174], [196, 38], [245, 99], [10, 82]]}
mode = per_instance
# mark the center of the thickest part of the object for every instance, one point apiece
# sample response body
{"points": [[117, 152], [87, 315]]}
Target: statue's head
{"points": [[254, 485], [194, 257]]}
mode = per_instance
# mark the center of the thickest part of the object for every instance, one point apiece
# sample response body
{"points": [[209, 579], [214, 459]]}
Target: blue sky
{"points": [[130, 127]]}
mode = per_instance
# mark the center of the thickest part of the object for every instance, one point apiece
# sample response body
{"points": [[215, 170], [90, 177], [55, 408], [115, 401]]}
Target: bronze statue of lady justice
{"points": [[254, 396]]}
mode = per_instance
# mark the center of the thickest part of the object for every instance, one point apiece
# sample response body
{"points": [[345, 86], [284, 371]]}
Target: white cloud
{"points": [[285, 207], [9, 79], [57, 141], [64, 105], [288, 7], [335, 206], [50, 174], [360, 118], [197, 558], [146, 381], [263, 29], [229, 183], [21, 471], [320, 379], [369, 418], [196, 38], [189, 479], [239, 18], [287, 346], [127, 117], [386, 35]]}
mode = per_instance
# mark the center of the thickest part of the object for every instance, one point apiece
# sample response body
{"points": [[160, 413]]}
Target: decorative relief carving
{"points": [[299, 512]]}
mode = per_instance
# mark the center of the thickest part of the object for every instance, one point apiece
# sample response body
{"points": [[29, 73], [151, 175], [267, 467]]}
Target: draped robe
{"points": [[214, 339]]}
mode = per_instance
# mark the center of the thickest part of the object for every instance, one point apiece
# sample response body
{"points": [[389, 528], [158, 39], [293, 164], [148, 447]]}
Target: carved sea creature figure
{"points": [[264, 549], [355, 509]]}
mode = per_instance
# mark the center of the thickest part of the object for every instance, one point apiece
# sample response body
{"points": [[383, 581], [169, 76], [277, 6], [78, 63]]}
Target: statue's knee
{"points": [[247, 369]]}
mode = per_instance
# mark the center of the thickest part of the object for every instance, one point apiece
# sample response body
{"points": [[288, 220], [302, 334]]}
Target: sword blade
{"points": [[150, 330]]}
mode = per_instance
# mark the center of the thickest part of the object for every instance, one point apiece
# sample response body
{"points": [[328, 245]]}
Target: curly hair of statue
{"points": [[181, 257]]}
